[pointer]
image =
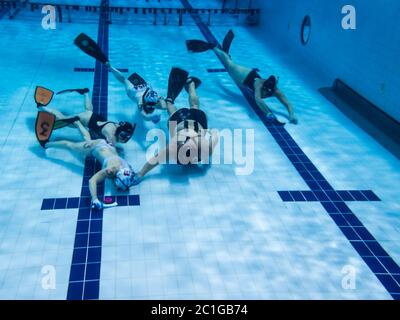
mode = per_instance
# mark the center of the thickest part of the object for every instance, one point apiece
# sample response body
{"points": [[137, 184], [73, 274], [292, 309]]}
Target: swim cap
{"points": [[269, 86], [124, 178], [125, 131], [150, 99]]}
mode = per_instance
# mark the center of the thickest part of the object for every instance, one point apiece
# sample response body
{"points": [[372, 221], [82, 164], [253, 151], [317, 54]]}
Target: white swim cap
{"points": [[124, 178]]}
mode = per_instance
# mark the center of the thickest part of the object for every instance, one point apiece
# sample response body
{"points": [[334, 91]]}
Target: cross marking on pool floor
{"points": [[84, 279], [334, 202]]}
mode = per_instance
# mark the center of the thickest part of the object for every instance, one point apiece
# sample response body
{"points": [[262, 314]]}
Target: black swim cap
{"points": [[269, 86], [125, 129]]}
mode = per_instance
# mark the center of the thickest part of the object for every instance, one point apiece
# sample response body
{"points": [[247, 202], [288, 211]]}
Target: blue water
{"points": [[202, 234]]}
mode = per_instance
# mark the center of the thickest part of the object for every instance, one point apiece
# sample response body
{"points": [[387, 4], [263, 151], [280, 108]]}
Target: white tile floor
{"points": [[213, 235]]}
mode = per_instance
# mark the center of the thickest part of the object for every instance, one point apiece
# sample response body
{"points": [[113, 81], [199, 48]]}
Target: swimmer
{"points": [[190, 141], [110, 131], [113, 166], [245, 77], [148, 101]]}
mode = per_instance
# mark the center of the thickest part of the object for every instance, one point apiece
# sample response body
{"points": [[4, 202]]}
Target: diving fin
{"points": [[43, 96], [197, 46], [226, 44], [44, 127], [137, 80], [197, 83], [176, 83], [61, 123], [80, 91], [90, 47]]}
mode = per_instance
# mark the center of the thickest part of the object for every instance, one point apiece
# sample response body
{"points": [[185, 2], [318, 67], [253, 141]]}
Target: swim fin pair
{"points": [[43, 97], [46, 122], [179, 79], [90, 47], [197, 46]]}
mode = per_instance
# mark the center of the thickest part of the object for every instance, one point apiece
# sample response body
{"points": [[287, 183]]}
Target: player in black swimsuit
{"points": [[261, 88], [100, 128], [191, 141]]}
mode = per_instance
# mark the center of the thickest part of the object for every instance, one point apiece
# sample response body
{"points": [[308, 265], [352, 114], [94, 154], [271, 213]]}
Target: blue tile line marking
{"points": [[216, 70], [324, 195], [84, 202], [93, 69], [84, 279], [378, 260]]}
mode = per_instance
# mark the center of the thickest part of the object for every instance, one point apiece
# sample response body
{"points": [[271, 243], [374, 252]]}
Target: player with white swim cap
{"points": [[138, 90], [113, 166], [148, 101]]}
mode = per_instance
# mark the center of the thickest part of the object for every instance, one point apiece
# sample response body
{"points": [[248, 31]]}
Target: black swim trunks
{"points": [[95, 129], [269, 85], [249, 81]]}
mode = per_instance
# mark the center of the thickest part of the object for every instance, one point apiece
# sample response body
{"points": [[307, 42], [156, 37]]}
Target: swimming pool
{"points": [[187, 233]]}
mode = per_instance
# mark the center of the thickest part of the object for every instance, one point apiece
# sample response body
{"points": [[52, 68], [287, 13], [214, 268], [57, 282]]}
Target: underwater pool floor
{"points": [[191, 234]]}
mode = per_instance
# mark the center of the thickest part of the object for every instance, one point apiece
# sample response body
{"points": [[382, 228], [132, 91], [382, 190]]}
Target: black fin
{"points": [[197, 83], [197, 46], [90, 47], [137, 80], [176, 83], [226, 44], [80, 91]]}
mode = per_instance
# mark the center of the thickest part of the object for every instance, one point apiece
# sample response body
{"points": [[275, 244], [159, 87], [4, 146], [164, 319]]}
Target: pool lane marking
{"points": [[216, 70], [124, 70], [334, 202], [84, 278], [84, 201]]}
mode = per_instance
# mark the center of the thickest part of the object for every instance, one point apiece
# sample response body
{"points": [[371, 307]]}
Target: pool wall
{"points": [[365, 58]]}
